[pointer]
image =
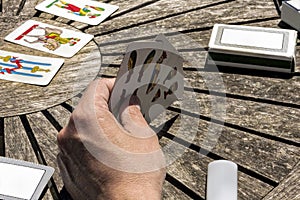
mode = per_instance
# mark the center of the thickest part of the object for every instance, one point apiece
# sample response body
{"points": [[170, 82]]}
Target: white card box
{"points": [[290, 13], [250, 47]]}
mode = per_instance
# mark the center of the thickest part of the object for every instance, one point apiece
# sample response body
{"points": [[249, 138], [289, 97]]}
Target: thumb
{"points": [[132, 119]]}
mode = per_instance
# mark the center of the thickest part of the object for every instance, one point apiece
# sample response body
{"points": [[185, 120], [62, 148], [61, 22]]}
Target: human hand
{"points": [[102, 158]]}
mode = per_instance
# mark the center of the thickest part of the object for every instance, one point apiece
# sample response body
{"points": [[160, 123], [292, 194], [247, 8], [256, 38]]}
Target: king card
{"points": [[86, 11], [48, 38], [28, 69], [151, 71]]}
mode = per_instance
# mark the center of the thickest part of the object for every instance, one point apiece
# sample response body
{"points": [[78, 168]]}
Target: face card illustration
{"points": [[22, 180], [152, 72], [48, 38], [28, 69], [86, 11]]}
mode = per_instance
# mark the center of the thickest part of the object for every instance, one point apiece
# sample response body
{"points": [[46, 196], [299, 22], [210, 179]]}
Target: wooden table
{"points": [[261, 131]]}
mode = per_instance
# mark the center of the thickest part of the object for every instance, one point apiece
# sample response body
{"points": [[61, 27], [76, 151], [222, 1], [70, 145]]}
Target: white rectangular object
{"points": [[222, 180], [290, 13], [252, 47], [85, 11], [49, 38], [28, 69], [22, 180], [252, 39]]}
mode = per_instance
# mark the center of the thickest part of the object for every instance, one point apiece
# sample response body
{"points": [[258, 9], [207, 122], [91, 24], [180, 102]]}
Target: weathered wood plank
{"points": [[170, 192], [2, 138], [278, 90], [10, 7], [257, 86], [288, 188], [190, 168], [269, 88], [60, 114], [273, 120], [73, 102], [45, 134], [73, 77], [141, 24], [124, 7], [18, 145], [259, 155], [154, 12], [29, 7]]}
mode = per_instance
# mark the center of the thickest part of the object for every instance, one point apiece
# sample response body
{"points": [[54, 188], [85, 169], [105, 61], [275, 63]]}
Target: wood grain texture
{"points": [[45, 134], [288, 189], [29, 7], [73, 77], [200, 19], [17, 144], [124, 7], [262, 110], [156, 12], [191, 169], [60, 114], [274, 120], [10, 7], [259, 155], [256, 85], [170, 192]]}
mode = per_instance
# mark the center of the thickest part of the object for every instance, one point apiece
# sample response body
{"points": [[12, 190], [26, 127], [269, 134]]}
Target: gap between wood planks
{"points": [[21, 6], [179, 141], [164, 133], [39, 154], [2, 138], [162, 18]]}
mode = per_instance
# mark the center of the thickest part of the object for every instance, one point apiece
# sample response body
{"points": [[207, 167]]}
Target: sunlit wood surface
{"points": [[261, 131]]}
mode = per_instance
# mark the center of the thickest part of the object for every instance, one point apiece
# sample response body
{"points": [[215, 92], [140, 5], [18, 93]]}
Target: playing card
{"points": [[22, 180], [151, 71], [48, 38], [86, 11], [28, 69]]}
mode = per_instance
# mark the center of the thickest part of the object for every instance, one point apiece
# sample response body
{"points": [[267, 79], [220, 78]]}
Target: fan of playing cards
{"points": [[152, 72]]}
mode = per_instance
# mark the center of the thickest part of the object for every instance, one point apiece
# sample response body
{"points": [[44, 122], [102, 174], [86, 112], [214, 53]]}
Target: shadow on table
{"points": [[251, 72]]}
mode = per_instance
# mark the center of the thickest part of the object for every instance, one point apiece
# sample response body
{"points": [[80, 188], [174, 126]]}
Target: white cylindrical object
{"points": [[222, 180]]}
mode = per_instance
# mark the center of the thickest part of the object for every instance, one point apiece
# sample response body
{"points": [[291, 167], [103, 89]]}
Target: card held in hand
{"points": [[152, 73]]}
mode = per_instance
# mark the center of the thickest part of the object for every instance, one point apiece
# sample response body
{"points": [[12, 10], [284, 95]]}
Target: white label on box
{"points": [[294, 3], [252, 38], [19, 181]]}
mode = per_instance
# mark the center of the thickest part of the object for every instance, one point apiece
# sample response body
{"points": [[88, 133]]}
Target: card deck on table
{"points": [[250, 47], [22, 180], [28, 69], [151, 71], [86, 11], [290, 13], [48, 38]]}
